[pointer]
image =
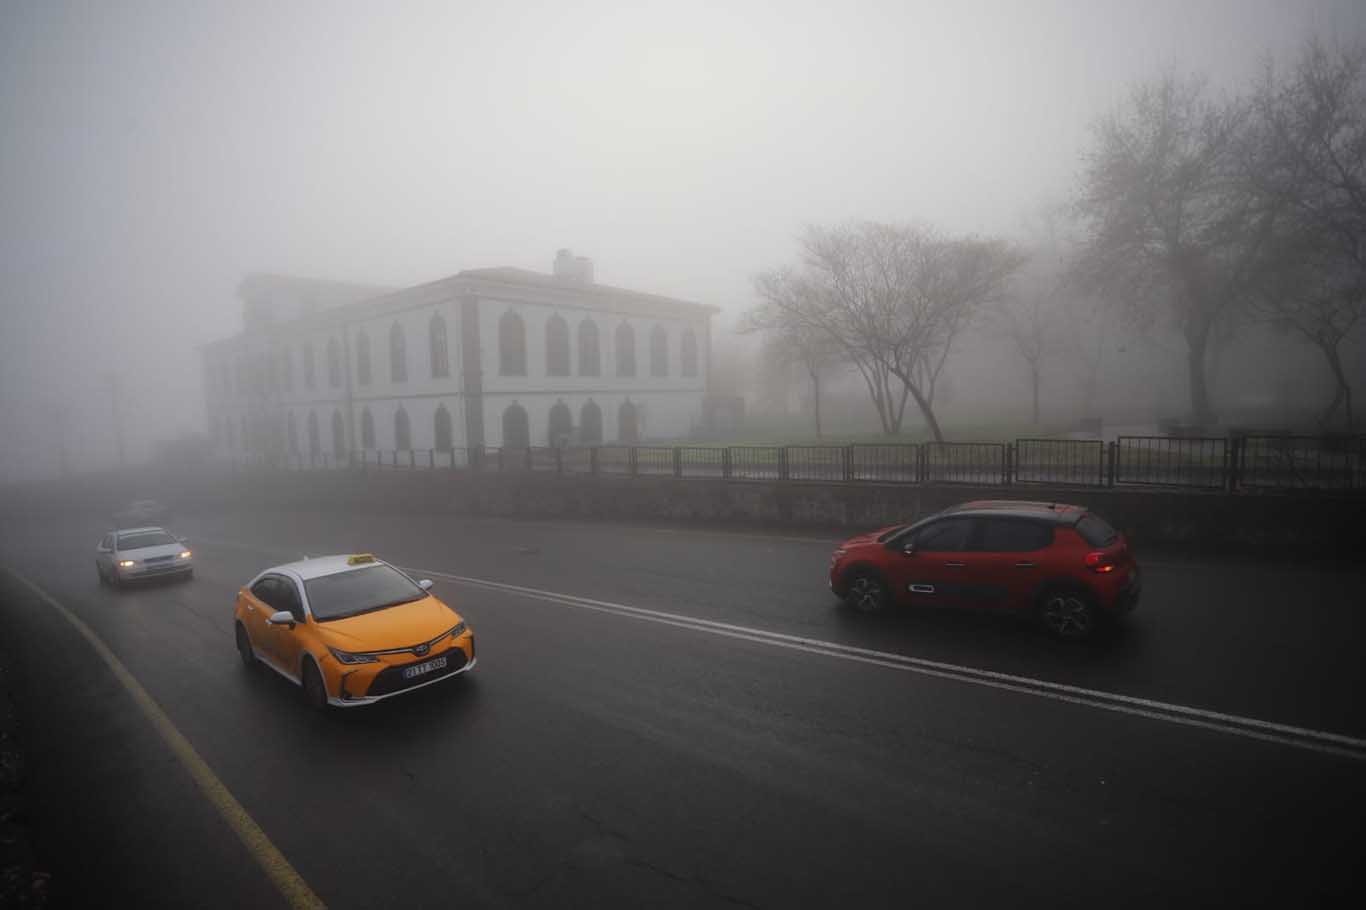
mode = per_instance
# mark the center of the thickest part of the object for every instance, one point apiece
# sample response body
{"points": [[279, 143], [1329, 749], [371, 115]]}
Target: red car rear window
{"points": [[1096, 531]]}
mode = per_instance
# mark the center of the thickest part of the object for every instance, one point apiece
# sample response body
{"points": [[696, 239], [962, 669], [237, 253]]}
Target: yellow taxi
{"points": [[350, 630]]}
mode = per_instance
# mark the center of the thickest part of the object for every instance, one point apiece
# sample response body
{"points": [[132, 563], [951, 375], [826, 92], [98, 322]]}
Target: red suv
{"points": [[1062, 563]]}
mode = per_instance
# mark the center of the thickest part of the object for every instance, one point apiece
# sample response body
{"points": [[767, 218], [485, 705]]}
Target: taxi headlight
{"points": [[185, 554], [347, 657], [459, 630], [126, 563]]}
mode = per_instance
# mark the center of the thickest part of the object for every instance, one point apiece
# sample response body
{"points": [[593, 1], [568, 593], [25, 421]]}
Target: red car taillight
{"points": [[1099, 561]]}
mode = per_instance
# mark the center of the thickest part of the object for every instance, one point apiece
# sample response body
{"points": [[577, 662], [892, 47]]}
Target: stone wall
{"points": [[1280, 526]]}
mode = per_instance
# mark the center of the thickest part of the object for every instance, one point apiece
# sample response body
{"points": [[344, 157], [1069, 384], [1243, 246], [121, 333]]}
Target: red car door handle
{"points": [[1024, 565], [954, 565]]}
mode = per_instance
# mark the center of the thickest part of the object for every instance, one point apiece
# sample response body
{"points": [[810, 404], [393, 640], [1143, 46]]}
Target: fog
{"points": [[155, 154]]}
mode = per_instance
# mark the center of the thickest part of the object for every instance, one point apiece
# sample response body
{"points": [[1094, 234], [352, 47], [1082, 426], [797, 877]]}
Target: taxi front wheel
{"points": [[244, 647], [315, 693]]}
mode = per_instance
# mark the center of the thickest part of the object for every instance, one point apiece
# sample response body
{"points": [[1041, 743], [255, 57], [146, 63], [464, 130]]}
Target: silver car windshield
{"points": [[145, 539]]}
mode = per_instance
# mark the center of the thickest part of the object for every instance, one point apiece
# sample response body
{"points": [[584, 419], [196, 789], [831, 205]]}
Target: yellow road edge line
{"points": [[286, 879]]}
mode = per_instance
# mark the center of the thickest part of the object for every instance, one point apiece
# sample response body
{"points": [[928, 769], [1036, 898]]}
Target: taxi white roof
{"points": [[318, 566]]}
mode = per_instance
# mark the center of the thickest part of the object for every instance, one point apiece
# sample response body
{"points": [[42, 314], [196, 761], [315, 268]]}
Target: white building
{"points": [[488, 357]]}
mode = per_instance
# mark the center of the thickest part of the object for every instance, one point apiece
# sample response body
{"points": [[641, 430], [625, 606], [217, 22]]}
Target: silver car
{"points": [[132, 553]]}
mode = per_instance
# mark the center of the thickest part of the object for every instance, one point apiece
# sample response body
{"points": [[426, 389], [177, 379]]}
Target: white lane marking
{"points": [[1249, 727], [286, 879]]}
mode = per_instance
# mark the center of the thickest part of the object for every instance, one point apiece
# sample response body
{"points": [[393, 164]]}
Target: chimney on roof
{"points": [[573, 269]]}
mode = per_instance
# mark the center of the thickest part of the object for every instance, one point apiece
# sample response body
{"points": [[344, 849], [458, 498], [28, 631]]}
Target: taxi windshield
{"points": [[359, 591]]}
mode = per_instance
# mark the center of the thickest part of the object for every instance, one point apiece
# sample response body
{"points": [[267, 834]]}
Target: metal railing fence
{"points": [[1231, 464]]}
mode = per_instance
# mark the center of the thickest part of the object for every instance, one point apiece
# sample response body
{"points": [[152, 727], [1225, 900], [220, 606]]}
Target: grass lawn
{"points": [[975, 432]]}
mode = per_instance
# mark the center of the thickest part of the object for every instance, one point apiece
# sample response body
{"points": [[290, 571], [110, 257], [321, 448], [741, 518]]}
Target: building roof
{"points": [[349, 301], [527, 278]]}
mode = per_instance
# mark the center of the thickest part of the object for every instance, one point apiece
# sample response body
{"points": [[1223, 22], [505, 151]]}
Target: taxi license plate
{"points": [[435, 663]]}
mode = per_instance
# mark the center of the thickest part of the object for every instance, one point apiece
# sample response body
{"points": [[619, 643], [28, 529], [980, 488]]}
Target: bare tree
{"points": [[1170, 226], [892, 298], [800, 347], [1308, 154], [1030, 321]]}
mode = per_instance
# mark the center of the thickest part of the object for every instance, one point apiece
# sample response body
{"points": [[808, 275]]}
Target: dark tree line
{"points": [[1206, 211], [1195, 211]]}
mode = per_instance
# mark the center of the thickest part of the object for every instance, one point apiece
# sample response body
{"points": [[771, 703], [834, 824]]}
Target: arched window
{"points": [[626, 350], [516, 429], [511, 345], [436, 338], [403, 433], [367, 429], [628, 429], [398, 354], [590, 424], [556, 347], [561, 424], [333, 364], [363, 357], [338, 435], [310, 365], [689, 352], [443, 429], [292, 430], [590, 353], [659, 351], [314, 444]]}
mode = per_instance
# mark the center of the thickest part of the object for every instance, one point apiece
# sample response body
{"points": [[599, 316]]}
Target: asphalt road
{"points": [[603, 756]]}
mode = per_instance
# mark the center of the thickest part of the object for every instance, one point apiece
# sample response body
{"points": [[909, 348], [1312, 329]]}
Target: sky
{"points": [[153, 154]]}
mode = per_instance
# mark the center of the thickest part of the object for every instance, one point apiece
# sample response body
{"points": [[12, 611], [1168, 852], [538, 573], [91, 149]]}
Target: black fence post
{"points": [[922, 467], [1008, 462], [1112, 462], [726, 468], [782, 463], [559, 460], [1233, 456], [632, 461], [678, 461]]}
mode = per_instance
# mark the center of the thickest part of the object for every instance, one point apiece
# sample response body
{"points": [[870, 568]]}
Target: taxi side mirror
{"points": [[908, 548], [282, 618], [425, 584]]}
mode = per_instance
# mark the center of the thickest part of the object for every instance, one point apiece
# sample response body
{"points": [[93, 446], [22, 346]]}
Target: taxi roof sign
{"points": [[360, 559]]}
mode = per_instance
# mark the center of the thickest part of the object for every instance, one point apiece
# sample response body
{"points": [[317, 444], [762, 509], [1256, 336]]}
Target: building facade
{"points": [[496, 357]]}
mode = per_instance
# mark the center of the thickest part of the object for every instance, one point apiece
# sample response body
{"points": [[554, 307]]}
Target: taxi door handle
{"points": [[954, 565], [1024, 565]]}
